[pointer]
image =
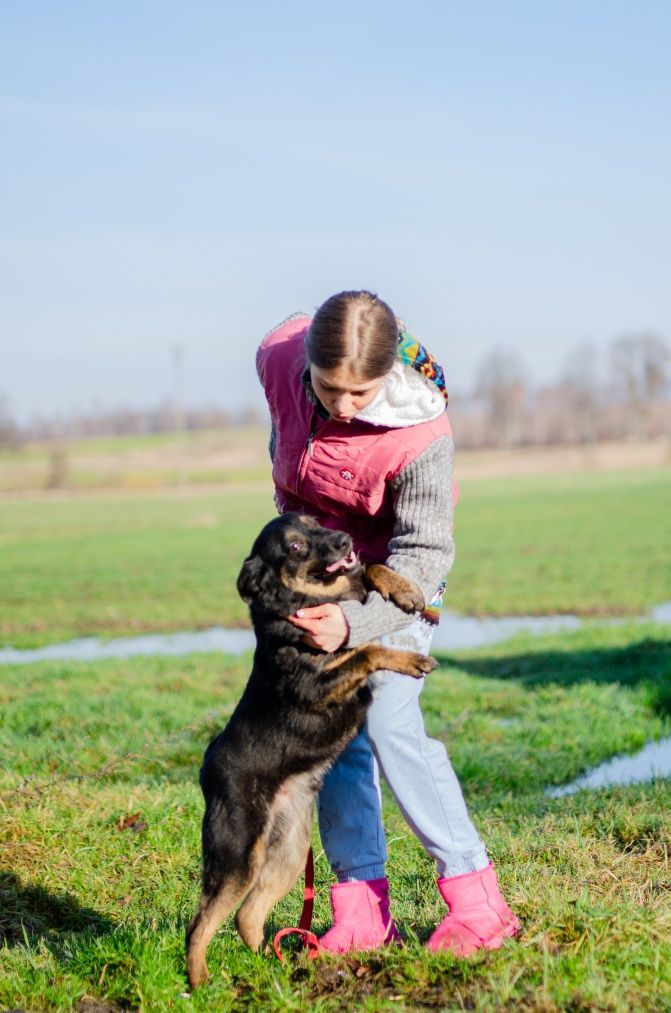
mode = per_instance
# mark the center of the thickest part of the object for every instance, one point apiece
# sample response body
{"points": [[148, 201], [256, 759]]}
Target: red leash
{"points": [[309, 938]]}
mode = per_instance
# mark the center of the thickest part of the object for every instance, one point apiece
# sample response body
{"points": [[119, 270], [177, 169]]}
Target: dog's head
{"points": [[295, 559]]}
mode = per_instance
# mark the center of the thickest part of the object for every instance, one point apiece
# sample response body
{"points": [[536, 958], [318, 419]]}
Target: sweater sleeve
{"points": [[421, 547]]}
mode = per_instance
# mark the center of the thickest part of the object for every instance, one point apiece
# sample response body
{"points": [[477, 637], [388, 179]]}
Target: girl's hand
{"points": [[325, 626]]}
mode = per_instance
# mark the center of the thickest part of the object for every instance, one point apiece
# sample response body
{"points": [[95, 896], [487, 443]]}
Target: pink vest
{"points": [[338, 472]]}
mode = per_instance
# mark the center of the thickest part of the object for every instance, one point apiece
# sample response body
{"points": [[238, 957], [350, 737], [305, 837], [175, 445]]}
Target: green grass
{"points": [[120, 565], [596, 544], [92, 917], [118, 444], [588, 543], [89, 912]]}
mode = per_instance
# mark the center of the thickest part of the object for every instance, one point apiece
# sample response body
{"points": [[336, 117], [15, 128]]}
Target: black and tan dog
{"points": [[300, 708]]}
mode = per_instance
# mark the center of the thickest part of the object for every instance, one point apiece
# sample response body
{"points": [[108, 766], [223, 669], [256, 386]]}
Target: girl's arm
{"points": [[421, 547]]}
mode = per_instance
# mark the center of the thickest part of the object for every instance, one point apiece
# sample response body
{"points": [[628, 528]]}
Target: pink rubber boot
{"points": [[479, 917], [361, 919]]}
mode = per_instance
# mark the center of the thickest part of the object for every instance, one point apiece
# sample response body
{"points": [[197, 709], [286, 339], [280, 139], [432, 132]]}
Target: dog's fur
{"points": [[300, 708]]}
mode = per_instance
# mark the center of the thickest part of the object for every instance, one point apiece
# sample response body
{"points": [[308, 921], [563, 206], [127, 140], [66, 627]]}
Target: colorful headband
{"points": [[412, 352]]}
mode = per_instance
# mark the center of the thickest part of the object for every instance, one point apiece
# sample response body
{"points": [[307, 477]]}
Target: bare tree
{"points": [[10, 436], [580, 389], [57, 477], [501, 385], [639, 364]]}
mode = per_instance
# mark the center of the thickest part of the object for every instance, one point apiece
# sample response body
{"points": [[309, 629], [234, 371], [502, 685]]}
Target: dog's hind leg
{"points": [[215, 906], [212, 911], [286, 852]]}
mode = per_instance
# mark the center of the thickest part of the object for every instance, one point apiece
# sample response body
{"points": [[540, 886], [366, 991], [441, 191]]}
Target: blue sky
{"points": [[190, 173]]}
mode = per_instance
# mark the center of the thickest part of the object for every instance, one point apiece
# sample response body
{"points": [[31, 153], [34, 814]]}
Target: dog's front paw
{"points": [[409, 598], [407, 662], [420, 664], [404, 593]]}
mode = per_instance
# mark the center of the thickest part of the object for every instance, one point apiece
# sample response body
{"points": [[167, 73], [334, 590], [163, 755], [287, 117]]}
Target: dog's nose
{"points": [[342, 541]]}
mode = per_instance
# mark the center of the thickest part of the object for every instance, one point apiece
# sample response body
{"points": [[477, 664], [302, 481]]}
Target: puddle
{"points": [[661, 613], [654, 760], [92, 649], [459, 633], [455, 633]]}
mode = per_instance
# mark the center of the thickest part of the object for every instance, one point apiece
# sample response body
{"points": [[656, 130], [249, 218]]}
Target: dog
{"points": [[300, 708]]}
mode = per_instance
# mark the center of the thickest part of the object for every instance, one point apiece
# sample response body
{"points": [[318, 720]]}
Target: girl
{"points": [[361, 441]]}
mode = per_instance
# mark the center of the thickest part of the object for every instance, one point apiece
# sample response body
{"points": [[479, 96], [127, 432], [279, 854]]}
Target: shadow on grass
{"points": [[31, 912], [646, 662]]}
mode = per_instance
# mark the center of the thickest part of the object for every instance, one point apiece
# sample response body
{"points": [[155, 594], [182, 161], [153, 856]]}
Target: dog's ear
{"points": [[249, 581]]}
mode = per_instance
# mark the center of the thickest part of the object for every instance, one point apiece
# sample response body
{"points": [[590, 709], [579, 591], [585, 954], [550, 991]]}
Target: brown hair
{"points": [[355, 328]]}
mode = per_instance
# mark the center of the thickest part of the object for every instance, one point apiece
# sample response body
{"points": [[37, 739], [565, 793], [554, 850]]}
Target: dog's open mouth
{"points": [[348, 562]]}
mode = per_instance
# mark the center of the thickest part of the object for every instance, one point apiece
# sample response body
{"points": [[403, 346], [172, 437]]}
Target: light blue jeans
{"points": [[417, 770]]}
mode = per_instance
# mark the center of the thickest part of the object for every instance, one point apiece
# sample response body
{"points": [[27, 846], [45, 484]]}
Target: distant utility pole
{"points": [[178, 414]]}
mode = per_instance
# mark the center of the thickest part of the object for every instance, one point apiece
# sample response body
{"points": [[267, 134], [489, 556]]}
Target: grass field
{"points": [[89, 911], [92, 916], [591, 543]]}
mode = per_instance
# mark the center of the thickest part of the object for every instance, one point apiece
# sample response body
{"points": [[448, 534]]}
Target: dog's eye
{"points": [[295, 547]]}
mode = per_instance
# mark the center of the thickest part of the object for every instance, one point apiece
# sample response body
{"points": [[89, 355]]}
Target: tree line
{"points": [[626, 395]]}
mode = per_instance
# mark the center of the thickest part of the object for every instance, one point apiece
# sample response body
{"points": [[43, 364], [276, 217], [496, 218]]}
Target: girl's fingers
{"points": [[326, 626], [304, 624], [308, 618], [316, 611]]}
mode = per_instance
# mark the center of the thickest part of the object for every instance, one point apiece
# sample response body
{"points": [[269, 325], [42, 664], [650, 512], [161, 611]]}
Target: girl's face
{"points": [[341, 392]]}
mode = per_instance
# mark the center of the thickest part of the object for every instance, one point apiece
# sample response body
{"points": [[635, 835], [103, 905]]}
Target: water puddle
{"points": [[661, 613], [460, 633], [654, 760], [455, 633], [176, 644]]}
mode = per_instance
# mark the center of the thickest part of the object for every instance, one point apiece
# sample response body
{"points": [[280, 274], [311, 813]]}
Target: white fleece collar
{"points": [[404, 399]]}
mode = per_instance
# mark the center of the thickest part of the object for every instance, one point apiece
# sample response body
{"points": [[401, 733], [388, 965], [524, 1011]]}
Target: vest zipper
{"points": [[307, 452]]}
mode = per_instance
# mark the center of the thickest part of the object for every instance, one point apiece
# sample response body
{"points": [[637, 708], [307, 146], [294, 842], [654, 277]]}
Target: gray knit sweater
{"points": [[421, 548]]}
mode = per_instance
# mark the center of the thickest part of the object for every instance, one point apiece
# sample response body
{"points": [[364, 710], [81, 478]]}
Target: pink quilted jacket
{"points": [[338, 472]]}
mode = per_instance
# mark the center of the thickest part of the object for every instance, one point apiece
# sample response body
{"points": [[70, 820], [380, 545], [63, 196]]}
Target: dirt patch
{"points": [[479, 464], [346, 983], [87, 1005]]}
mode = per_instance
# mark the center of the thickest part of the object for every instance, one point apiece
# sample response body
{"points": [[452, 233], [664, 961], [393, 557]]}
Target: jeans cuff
{"points": [[361, 872], [471, 863]]}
